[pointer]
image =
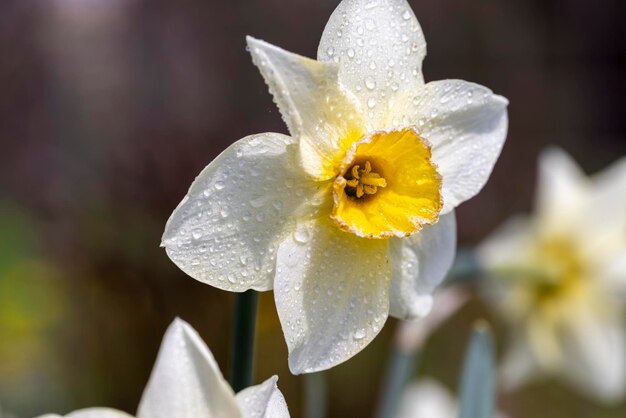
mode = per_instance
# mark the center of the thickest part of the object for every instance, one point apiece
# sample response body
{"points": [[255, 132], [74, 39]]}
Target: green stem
{"points": [[400, 367], [243, 340], [315, 395], [409, 338]]}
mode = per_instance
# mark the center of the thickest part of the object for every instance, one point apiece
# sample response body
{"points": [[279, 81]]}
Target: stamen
{"points": [[362, 181]]}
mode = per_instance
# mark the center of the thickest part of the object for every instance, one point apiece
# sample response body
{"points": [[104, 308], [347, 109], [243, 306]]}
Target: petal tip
{"points": [[501, 99]]}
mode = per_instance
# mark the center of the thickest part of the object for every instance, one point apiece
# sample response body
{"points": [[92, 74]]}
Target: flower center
{"points": [[562, 272], [387, 186], [361, 182]]}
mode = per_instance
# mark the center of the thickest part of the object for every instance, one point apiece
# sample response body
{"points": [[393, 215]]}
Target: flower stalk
{"points": [[400, 368], [315, 395], [409, 338], [243, 340]]}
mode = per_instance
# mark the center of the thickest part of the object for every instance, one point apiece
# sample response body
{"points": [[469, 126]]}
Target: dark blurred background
{"points": [[110, 108]]}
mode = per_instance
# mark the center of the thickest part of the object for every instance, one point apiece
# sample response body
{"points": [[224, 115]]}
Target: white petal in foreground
{"points": [[331, 293], [317, 111], [380, 47], [466, 124], [186, 381], [92, 413], [420, 263], [594, 358], [263, 401], [226, 230]]}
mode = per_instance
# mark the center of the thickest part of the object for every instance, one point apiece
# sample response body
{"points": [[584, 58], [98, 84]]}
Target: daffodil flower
{"points": [[561, 277], [186, 383], [350, 218], [428, 398]]}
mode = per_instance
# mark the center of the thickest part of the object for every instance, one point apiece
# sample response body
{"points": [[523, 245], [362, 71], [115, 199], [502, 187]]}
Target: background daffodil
{"points": [[350, 218], [427, 398], [561, 277], [186, 383]]}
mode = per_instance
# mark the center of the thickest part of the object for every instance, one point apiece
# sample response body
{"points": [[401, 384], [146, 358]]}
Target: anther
{"points": [[362, 181]]}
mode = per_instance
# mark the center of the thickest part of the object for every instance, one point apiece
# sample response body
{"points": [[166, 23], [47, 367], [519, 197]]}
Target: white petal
{"points": [[316, 109], [263, 401], [427, 399], [186, 381], [518, 365], [595, 360], [510, 246], [226, 230], [466, 124], [420, 263], [331, 293], [559, 192], [92, 413], [98, 413], [603, 219], [380, 47], [613, 274]]}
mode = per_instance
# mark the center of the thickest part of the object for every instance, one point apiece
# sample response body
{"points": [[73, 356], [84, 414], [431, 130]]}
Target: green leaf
{"points": [[476, 390]]}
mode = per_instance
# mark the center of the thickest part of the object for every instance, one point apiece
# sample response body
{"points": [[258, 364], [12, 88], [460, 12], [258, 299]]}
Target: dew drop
{"points": [[424, 304], [302, 235], [350, 52], [359, 334], [277, 204], [370, 83], [219, 185], [330, 51], [406, 15], [257, 201], [371, 102]]}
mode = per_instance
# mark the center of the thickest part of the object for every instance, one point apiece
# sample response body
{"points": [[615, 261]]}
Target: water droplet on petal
{"points": [[359, 334], [424, 304], [302, 235], [371, 102], [257, 201]]}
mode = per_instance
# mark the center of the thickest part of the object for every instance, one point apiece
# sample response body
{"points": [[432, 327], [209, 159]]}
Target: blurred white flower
{"points": [[561, 278], [186, 383], [350, 218], [427, 398]]}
